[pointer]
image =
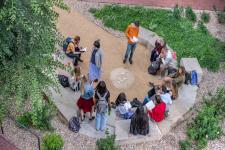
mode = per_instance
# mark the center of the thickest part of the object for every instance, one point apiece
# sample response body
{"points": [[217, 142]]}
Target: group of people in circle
{"points": [[97, 99]]}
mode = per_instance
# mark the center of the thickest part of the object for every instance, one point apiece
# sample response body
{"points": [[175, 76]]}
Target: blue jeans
{"points": [[100, 121], [130, 51]]}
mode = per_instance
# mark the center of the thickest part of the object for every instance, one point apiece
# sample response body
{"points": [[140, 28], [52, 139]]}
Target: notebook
{"points": [[150, 105], [84, 49], [134, 39]]}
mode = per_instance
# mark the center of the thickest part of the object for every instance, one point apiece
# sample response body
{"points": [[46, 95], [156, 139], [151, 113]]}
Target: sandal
{"points": [[92, 118]]}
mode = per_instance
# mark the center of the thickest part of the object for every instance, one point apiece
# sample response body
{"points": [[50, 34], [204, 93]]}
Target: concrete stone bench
{"points": [[124, 137], [147, 38], [191, 64]]}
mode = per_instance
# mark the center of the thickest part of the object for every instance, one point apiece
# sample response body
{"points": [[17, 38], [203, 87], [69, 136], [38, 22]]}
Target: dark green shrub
{"points": [[202, 27], [221, 17], [25, 119], [190, 14], [52, 141], [185, 145], [205, 17], [107, 143], [177, 12]]}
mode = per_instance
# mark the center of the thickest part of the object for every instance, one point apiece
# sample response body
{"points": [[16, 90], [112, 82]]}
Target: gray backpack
{"points": [[102, 104]]}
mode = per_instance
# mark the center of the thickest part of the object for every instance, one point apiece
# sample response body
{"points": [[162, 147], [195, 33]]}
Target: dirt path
{"points": [[70, 24]]}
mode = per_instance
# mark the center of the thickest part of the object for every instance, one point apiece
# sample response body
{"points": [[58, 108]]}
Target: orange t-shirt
{"points": [[131, 31]]}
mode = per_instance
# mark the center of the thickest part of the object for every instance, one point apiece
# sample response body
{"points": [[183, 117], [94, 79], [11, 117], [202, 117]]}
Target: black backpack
{"points": [[187, 78], [63, 80], [154, 67], [74, 124], [154, 55]]}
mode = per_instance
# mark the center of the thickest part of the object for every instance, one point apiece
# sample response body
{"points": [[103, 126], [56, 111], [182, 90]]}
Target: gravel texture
{"points": [[75, 141]]}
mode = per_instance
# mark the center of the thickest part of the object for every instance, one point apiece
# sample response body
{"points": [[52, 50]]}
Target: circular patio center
{"points": [[121, 78]]}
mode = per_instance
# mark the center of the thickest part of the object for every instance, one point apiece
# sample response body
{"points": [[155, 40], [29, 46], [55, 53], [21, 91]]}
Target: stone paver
{"points": [[124, 137], [196, 4]]}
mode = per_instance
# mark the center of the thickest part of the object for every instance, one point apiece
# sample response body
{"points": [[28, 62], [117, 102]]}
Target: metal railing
{"points": [[26, 129]]}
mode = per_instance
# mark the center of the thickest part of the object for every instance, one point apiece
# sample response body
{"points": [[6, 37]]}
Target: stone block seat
{"points": [[192, 64], [66, 99]]}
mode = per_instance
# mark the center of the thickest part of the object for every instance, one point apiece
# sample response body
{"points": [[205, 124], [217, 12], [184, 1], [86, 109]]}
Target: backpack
{"points": [[187, 78], [66, 42], [154, 55], [153, 68], [135, 103], [102, 104], [194, 77], [74, 124], [63, 80]]}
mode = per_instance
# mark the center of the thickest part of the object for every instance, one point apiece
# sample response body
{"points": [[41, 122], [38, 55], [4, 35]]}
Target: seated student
{"points": [[73, 50], [123, 107], [139, 122], [151, 93], [168, 62], [86, 102], [75, 80], [158, 112], [166, 97], [175, 81], [159, 45]]}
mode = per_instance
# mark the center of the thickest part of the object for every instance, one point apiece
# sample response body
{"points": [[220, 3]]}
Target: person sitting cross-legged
{"points": [[157, 114], [139, 122], [175, 81], [123, 107], [73, 50]]}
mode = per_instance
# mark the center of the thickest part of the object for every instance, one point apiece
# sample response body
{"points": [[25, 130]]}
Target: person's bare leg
{"points": [[168, 80], [91, 114], [81, 114]]}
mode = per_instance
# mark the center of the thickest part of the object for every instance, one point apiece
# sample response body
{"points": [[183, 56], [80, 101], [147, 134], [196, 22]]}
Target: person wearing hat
{"points": [[131, 33], [73, 50], [95, 62]]}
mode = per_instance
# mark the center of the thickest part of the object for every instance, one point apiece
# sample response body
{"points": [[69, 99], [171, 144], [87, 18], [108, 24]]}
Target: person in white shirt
{"points": [[168, 62], [166, 97], [123, 107]]}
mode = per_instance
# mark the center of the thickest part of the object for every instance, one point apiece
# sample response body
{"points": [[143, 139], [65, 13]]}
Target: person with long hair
{"points": [[159, 45], [75, 80], [102, 105], [96, 60], [139, 122], [123, 106], [174, 81], [86, 101], [158, 112]]}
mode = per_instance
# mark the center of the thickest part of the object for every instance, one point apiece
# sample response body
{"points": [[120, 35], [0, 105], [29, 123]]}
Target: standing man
{"points": [[131, 34]]}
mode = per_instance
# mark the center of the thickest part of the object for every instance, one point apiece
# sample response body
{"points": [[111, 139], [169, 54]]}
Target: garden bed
{"points": [[179, 33]]}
